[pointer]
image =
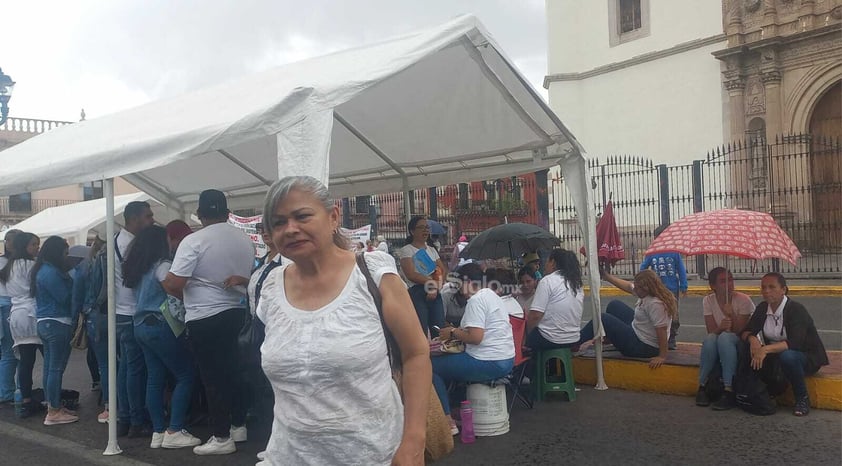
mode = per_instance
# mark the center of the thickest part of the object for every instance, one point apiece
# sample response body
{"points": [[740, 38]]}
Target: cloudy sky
{"points": [[105, 56]]}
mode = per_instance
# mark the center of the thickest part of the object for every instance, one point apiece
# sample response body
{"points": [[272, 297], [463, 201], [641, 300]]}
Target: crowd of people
{"points": [[301, 340]]}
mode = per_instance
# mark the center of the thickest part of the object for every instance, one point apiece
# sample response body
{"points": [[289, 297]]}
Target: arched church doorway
{"points": [[826, 167]]}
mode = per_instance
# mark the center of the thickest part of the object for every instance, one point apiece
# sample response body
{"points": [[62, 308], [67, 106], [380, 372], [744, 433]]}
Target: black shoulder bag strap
{"points": [[117, 248], [259, 285], [392, 348]]}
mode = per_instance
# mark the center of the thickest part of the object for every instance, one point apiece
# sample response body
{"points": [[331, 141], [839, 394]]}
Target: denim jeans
{"points": [[717, 349], [131, 376], [617, 322], [462, 367], [537, 341], [56, 337], [8, 362], [98, 342], [164, 353], [429, 312], [794, 365], [214, 343]]}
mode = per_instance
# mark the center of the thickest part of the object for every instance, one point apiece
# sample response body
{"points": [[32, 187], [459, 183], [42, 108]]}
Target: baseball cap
{"points": [[531, 257], [463, 239], [78, 251], [212, 203]]}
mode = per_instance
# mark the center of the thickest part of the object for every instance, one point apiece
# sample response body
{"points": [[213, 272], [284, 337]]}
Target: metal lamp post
{"points": [[6, 86]]}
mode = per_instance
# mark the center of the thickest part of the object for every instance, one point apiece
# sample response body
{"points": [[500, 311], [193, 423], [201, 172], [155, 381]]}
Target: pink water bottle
{"points": [[467, 414]]}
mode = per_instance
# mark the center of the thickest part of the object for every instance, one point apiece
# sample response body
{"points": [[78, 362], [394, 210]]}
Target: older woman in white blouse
{"points": [[325, 354]]}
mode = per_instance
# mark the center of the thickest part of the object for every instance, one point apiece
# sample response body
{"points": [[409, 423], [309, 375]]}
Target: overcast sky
{"points": [[105, 56]]}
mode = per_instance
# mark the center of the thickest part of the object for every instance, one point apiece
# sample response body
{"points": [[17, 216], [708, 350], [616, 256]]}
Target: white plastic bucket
{"points": [[491, 416]]}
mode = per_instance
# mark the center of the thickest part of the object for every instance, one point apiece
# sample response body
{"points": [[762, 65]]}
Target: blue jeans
{"points": [[429, 312], [617, 322], [8, 362], [131, 376], [794, 365], [56, 337], [162, 353], [462, 367], [717, 349], [98, 341]]}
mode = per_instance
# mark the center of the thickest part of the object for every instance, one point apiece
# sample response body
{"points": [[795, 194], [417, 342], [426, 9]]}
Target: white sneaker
{"points": [[261, 455], [179, 439], [157, 440], [215, 446], [102, 417], [239, 434]]}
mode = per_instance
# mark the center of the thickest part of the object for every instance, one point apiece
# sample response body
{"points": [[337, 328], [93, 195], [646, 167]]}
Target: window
{"points": [[627, 20], [92, 190], [629, 15], [20, 203]]}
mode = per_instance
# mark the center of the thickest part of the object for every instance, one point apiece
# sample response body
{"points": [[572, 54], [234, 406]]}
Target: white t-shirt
{"points": [[126, 302], [741, 303], [773, 327], [3, 292], [562, 309], [22, 323], [335, 400], [207, 258], [409, 251], [383, 247], [512, 306], [486, 310], [649, 314]]}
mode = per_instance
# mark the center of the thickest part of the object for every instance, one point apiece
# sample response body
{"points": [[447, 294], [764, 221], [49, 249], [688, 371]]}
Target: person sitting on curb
{"points": [[670, 269], [782, 328], [726, 312], [641, 332]]}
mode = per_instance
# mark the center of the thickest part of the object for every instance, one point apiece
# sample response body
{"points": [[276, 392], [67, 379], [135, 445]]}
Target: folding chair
{"points": [[519, 392]]}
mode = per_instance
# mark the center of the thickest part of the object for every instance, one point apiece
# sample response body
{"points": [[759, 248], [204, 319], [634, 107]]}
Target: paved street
{"points": [[610, 427]]}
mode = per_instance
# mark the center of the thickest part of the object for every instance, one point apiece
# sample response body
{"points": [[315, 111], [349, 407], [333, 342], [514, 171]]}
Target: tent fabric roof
{"points": [[74, 221], [435, 107]]}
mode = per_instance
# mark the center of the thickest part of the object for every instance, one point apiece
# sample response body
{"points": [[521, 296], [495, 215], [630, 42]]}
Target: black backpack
{"points": [[752, 394]]}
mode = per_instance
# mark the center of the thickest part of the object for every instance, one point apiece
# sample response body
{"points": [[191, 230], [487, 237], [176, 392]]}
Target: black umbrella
{"points": [[509, 240]]}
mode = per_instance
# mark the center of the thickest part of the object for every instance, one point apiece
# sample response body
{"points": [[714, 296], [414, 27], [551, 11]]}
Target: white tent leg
{"points": [[578, 180], [112, 448]]}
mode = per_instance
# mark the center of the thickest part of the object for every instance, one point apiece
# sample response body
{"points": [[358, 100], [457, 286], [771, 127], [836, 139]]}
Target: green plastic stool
{"points": [[544, 386]]}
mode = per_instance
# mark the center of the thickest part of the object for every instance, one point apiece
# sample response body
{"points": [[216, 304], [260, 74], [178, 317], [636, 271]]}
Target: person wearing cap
{"points": [[533, 262], [210, 270], [132, 419]]}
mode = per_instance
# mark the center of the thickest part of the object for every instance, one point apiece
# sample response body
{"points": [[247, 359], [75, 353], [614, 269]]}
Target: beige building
{"points": [[16, 208], [783, 76]]}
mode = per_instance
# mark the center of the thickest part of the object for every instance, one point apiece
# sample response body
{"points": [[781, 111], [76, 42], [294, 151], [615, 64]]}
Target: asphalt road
{"points": [[826, 313], [600, 427]]}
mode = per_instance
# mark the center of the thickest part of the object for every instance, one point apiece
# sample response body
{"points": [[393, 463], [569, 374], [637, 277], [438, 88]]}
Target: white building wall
{"points": [[670, 109]]}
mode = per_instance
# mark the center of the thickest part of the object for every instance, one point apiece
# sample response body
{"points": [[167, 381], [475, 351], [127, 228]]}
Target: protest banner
{"points": [[358, 235], [249, 227]]}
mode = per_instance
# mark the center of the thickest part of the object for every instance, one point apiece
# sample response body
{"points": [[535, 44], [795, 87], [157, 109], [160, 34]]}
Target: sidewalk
{"points": [[697, 287]]}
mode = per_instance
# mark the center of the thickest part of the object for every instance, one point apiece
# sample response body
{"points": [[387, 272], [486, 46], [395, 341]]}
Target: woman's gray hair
{"points": [[279, 190]]}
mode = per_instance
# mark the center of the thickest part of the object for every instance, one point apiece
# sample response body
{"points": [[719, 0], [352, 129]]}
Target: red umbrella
{"points": [[608, 238], [740, 233]]}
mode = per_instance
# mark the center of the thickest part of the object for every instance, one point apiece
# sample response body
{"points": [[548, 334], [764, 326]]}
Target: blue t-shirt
{"points": [[670, 268]]}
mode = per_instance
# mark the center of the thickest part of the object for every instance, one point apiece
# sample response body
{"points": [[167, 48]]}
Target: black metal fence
{"points": [[797, 179]]}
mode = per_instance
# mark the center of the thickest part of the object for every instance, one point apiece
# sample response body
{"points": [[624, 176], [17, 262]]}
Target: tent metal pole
{"points": [[108, 190], [407, 208]]}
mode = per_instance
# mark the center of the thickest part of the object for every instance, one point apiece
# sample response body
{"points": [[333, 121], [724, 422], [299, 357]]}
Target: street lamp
{"points": [[6, 86]]}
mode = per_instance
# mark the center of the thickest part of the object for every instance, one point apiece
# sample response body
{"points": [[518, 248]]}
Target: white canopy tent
{"points": [[436, 107], [74, 221]]}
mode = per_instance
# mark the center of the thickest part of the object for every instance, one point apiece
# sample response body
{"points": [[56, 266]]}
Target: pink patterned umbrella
{"points": [[740, 233]]}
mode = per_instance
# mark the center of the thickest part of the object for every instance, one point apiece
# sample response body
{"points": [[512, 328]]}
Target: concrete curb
{"points": [[795, 290], [825, 391]]}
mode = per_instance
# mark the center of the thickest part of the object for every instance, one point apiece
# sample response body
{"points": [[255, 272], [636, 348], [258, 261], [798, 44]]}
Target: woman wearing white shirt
{"points": [[555, 314], [487, 334], [16, 274], [782, 328], [726, 312]]}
